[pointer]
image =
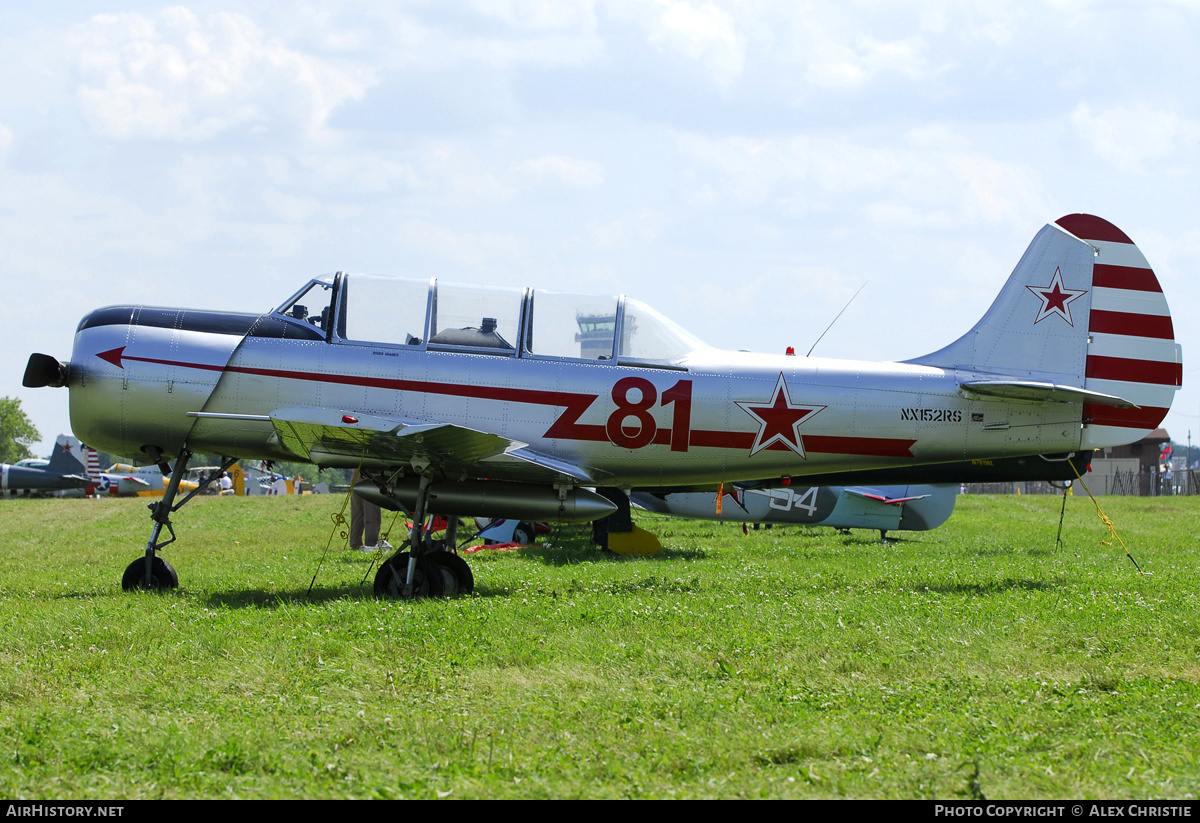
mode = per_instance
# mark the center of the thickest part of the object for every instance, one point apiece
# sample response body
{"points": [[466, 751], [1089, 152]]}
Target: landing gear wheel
{"points": [[162, 575], [523, 533], [459, 579], [427, 580]]}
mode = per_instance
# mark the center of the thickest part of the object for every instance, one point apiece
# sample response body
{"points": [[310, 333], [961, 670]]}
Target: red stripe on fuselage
{"points": [[567, 426], [820, 444]]}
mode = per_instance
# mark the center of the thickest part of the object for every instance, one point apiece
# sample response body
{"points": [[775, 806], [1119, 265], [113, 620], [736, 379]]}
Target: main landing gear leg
{"points": [[152, 572], [456, 574], [409, 574]]}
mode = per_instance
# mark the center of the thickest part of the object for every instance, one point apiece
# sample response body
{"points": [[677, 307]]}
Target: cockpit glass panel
{"points": [[484, 317], [647, 335], [573, 325], [312, 305], [384, 309]]}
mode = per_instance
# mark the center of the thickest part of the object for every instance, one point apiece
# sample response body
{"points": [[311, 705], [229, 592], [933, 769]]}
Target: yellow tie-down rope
{"points": [[339, 523], [342, 529], [1107, 521]]}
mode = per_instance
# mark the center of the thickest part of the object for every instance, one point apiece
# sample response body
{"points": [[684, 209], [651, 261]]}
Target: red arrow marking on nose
{"points": [[112, 356]]}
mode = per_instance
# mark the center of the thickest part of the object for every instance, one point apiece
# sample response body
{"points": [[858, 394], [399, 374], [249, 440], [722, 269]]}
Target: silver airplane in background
{"points": [[530, 403], [914, 507], [914, 498]]}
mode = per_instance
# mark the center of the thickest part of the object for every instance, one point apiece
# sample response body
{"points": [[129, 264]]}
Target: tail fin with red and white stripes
{"points": [[1082, 320]]}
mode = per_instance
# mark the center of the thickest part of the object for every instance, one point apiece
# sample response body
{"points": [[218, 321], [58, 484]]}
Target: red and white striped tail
{"points": [[93, 462], [1131, 351]]}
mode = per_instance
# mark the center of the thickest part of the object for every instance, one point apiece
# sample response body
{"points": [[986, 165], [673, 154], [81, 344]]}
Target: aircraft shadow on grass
{"points": [[996, 587]]}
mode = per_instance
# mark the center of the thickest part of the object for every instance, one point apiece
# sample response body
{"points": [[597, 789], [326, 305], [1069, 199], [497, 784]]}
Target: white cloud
{"points": [[935, 181], [476, 252], [178, 76], [541, 14], [566, 170], [1128, 137], [289, 208], [834, 64], [702, 32], [812, 45], [6, 140], [641, 227], [499, 34]]}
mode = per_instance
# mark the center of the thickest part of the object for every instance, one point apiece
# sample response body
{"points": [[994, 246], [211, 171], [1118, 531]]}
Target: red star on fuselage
{"points": [[779, 420], [1056, 299]]}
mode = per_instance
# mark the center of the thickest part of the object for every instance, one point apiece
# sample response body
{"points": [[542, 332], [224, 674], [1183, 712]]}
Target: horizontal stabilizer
{"points": [[885, 500], [1038, 392]]}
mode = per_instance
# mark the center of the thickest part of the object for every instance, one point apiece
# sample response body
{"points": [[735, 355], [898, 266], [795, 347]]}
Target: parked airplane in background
{"points": [[886, 508], [923, 499], [64, 471], [124, 480], [491, 402]]}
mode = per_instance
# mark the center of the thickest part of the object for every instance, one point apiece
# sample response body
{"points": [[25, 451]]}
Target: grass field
{"points": [[974, 660]]}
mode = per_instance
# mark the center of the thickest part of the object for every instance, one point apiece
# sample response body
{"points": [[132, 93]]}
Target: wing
{"points": [[329, 437]]}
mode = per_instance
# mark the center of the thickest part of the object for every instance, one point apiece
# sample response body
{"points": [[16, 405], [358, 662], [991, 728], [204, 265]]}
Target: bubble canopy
{"points": [[527, 323]]}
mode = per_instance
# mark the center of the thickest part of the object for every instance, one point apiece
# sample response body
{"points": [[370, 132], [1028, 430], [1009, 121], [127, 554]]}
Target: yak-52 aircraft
{"points": [[518, 403]]}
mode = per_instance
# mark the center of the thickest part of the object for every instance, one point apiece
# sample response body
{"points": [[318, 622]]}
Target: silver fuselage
{"points": [[208, 382]]}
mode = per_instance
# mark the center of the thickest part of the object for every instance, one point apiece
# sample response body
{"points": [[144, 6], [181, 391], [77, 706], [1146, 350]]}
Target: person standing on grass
{"points": [[365, 518]]}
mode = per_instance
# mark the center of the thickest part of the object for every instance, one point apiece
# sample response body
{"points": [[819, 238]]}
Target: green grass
{"points": [[971, 660]]}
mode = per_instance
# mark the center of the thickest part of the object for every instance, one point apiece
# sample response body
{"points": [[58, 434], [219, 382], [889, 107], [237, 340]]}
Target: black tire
{"points": [[460, 579], [523, 533], [162, 576], [427, 581]]}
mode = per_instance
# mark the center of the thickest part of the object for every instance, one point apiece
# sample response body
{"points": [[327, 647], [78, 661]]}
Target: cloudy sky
{"points": [[742, 165]]}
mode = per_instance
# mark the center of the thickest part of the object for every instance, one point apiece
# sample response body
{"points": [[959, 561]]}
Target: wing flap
{"points": [[540, 464]]}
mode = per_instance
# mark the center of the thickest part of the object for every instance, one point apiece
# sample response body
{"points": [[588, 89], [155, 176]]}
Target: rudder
{"points": [[1132, 351]]}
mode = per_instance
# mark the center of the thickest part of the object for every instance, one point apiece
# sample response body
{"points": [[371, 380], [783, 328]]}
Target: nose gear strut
{"points": [[152, 572]]}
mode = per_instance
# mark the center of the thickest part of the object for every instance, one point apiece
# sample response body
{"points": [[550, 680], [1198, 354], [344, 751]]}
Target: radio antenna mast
{"points": [[839, 314]]}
